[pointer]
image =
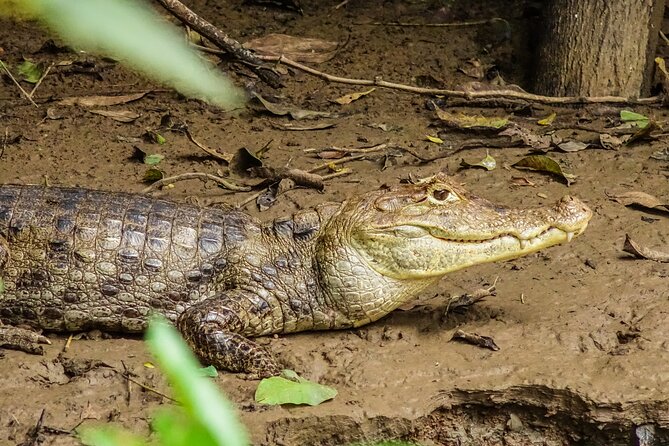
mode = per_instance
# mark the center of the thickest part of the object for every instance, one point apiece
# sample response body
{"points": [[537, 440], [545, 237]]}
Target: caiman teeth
{"points": [[570, 235]]}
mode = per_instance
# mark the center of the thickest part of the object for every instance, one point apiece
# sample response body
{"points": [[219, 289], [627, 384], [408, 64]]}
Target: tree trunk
{"points": [[598, 47]]}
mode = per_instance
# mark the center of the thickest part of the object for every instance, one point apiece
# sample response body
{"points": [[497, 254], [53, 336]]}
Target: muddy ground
{"points": [[583, 329]]}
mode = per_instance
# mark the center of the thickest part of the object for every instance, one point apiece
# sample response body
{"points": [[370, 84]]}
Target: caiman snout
{"points": [[572, 215]]}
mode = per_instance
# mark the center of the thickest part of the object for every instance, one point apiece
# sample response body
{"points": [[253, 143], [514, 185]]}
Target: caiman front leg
{"points": [[16, 338], [215, 328]]}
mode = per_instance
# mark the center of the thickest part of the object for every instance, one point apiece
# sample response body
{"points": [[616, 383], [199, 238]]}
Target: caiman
{"points": [[74, 259]]}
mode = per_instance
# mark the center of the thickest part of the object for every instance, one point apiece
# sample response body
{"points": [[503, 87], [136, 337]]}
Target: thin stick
{"points": [[335, 162], [434, 25], [664, 37], [196, 176], [145, 387], [225, 157], [375, 148], [39, 82], [467, 95], [38, 427], [222, 40], [9, 73]]}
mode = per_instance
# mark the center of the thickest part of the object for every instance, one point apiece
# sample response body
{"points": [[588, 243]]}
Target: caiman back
{"points": [[75, 259]]}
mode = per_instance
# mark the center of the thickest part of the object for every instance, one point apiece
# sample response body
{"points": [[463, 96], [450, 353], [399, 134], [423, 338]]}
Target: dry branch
{"points": [[222, 40]]}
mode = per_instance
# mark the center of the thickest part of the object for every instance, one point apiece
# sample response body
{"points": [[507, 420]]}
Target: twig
{"points": [[39, 82], [491, 95], [34, 435], [145, 387], [435, 25], [196, 176], [664, 37], [335, 162], [225, 157], [375, 148], [222, 40], [9, 73]]}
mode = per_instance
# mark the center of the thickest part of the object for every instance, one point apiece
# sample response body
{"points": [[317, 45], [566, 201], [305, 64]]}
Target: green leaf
{"points": [[199, 396], [209, 371], [153, 159], [173, 428], [640, 120], [153, 174], [544, 163], [292, 389], [108, 435], [30, 72]]}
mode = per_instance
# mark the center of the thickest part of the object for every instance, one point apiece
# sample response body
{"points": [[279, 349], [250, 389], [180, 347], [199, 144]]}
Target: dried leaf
{"points": [[548, 120], [662, 155], [521, 181], [528, 137], [543, 163], [612, 142], [478, 122], [643, 132], [643, 252], [101, 101], [572, 146], [117, 115], [475, 339], [488, 163], [637, 198], [53, 113], [473, 68], [299, 49], [434, 139], [283, 110], [243, 160], [302, 128], [348, 98]]}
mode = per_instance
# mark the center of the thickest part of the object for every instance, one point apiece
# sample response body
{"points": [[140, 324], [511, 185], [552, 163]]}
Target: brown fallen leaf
{"points": [[260, 103], [521, 181], [302, 128], [488, 163], [473, 68], [631, 247], [475, 339], [348, 98], [118, 115], [572, 146], [543, 163], [101, 101], [638, 198], [528, 137], [299, 49], [612, 142], [471, 122]]}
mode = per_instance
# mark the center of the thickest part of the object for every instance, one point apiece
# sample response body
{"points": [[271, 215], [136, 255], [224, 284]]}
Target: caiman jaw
{"points": [[434, 227]]}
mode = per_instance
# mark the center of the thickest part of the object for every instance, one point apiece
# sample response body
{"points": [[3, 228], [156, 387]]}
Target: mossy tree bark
{"points": [[598, 47]]}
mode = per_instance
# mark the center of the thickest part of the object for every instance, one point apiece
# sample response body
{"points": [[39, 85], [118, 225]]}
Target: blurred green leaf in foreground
{"points": [[205, 417], [131, 32]]}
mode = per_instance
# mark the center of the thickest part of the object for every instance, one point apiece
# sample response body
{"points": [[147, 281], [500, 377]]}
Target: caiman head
{"points": [[420, 232]]}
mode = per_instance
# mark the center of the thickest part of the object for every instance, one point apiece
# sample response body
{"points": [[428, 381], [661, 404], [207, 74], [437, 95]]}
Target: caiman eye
{"points": [[444, 195]]}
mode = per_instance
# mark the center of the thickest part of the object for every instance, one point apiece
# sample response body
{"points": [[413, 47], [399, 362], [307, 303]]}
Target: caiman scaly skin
{"points": [[74, 259]]}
